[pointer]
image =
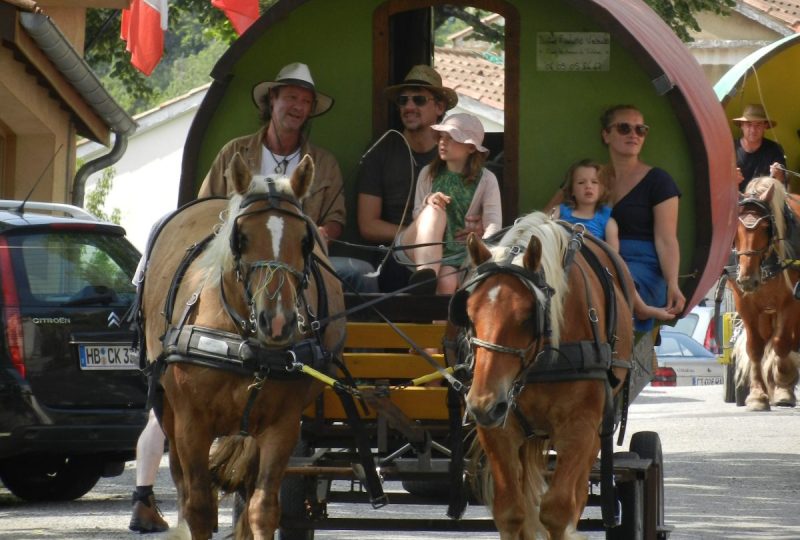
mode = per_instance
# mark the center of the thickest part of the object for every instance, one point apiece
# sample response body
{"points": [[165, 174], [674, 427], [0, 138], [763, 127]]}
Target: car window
{"points": [[687, 324], [677, 344], [63, 267]]}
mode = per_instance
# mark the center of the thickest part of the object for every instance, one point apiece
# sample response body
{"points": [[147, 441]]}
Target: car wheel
{"points": [[50, 478]]}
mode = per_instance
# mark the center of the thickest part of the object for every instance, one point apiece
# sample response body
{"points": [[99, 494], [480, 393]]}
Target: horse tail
{"points": [[741, 359], [234, 464]]}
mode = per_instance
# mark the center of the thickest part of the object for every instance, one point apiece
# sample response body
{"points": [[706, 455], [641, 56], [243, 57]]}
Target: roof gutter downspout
{"points": [[97, 164], [58, 49]]}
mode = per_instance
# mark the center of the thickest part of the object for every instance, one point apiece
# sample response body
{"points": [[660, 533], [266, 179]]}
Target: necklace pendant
{"points": [[280, 168]]}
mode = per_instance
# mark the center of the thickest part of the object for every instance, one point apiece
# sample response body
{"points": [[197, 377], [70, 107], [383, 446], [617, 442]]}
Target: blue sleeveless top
{"points": [[596, 225]]}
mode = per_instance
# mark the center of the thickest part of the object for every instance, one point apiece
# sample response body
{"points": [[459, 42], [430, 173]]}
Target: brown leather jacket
{"points": [[326, 192]]}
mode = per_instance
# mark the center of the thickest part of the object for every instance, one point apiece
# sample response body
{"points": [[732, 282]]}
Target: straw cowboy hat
{"points": [[424, 77], [463, 128], [294, 74], [754, 113]]}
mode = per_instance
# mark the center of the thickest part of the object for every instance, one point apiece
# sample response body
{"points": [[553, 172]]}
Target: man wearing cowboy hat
{"points": [[286, 105], [388, 177], [755, 155]]}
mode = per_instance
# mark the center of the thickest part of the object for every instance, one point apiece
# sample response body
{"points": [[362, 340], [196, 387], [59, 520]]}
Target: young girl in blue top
{"points": [[585, 196]]}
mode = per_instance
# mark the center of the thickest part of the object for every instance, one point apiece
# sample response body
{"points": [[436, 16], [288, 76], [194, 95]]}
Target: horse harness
{"points": [[587, 359], [242, 353], [752, 211], [582, 360]]}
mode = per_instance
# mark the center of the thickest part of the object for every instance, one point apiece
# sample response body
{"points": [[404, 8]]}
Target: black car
{"points": [[72, 402]]}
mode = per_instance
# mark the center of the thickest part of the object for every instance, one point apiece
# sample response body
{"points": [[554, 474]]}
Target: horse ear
{"points": [[477, 250], [302, 177], [767, 195], [533, 255], [238, 173]]}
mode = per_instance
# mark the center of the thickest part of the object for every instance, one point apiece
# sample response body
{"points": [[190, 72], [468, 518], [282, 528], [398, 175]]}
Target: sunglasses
{"points": [[418, 100], [624, 128]]}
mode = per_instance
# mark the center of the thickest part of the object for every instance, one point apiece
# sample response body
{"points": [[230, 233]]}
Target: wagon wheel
{"points": [[647, 445], [642, 509], [293, 498]]}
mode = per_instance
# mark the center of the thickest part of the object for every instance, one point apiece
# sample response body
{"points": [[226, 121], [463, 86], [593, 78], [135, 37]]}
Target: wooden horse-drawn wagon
{"points": [[564, 63]]}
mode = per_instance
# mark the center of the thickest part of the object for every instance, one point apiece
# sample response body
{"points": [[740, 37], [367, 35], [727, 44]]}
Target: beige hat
{"points": [[295, 74], [463, 128], [424, 77], [754, 113]]}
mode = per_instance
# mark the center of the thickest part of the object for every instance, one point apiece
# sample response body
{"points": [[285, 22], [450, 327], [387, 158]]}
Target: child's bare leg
{"points": [[428, 228], [448, 280]]}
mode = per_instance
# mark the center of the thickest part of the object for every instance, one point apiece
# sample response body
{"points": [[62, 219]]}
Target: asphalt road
{"points": [[730, 474]]}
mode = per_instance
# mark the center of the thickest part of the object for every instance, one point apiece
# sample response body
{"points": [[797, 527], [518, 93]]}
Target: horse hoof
{"points": [[784, 397], [757, 403]]}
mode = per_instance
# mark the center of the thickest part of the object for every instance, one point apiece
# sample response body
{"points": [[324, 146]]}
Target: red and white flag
{"points": [[241, 13], [143, 26]]}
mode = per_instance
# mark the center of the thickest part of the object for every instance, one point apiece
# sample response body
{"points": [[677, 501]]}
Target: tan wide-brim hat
{"points": [[464, 128], [295, 74], [754, 113], [426, 77]]}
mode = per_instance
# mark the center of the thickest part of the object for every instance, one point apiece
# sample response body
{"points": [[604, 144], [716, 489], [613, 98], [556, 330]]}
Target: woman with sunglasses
{"points": [[645, 206]]}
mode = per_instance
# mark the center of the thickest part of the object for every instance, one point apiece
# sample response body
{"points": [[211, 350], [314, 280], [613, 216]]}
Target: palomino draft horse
{"points": [[238, 318], [537, 381], [766, 273]]}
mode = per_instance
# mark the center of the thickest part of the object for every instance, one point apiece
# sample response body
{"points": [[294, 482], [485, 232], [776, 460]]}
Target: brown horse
{"points": [[762, 291], [242, 310], [539, 382]]}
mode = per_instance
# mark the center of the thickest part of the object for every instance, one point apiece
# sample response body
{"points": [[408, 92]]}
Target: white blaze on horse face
{"points": [[275, 227], [493, 293]]}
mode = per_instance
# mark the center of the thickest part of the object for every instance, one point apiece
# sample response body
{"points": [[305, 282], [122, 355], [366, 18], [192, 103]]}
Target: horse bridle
{"points": [[244, 270], [770, 266], [535, 282]]}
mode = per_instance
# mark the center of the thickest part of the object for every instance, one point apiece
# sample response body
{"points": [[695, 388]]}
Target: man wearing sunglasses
{"points": [[388, 175]]}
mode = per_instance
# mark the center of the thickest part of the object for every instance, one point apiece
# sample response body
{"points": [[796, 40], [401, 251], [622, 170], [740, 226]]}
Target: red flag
{"points": [[143, 27], [241, 13]]}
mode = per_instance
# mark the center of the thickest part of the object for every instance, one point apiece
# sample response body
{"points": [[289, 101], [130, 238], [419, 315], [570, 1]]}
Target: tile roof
{"points": [[785, 11], [470, 74]]}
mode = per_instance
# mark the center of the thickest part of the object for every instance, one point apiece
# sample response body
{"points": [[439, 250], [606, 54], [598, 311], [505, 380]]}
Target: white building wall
{"points": [[145, 186]]}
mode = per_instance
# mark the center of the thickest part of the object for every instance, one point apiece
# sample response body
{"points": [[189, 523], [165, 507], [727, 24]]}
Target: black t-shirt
{"points": [[634, 212], [755, 164], [385, 173]]}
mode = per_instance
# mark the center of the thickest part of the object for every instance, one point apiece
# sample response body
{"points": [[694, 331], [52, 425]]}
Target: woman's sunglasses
{"points": [[624, 128], [418, 100]]}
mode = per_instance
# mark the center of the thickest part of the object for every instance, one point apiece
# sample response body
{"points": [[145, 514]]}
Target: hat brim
{"points": [[738, 121], [457, 135], [322, 103], [448, 95]]}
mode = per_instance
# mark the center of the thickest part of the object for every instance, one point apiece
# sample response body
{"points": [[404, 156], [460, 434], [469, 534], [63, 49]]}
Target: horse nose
{"points": [[276, 326], [747, 283], [491, 416]]}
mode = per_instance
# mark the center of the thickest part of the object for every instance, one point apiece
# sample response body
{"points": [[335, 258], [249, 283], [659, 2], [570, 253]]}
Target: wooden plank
{"points": [[419, 403], [389, 365], [381, 335]]}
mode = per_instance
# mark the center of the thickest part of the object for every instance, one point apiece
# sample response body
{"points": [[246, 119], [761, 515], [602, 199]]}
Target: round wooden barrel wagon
{"points": [[562, 64]]}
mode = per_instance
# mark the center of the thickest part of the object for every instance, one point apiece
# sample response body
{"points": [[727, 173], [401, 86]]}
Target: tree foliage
{"points": [[679, 14], [96, 198], [199, 34]]}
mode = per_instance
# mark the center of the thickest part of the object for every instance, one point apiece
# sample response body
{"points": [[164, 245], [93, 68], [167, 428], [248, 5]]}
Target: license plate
{"points": [[106, 357], [703, 381]]}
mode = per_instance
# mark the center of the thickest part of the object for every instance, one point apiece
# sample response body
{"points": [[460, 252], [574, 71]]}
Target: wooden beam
{"points": [[61, 86]]}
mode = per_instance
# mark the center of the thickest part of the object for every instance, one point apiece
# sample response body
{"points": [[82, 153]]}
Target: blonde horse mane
{"points": [[554, 239], [759, 186], [217, 258]]}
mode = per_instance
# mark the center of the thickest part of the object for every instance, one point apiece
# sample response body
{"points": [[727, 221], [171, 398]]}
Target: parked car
{"points": [[684, 362], [701, 326], [72, 402]]}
